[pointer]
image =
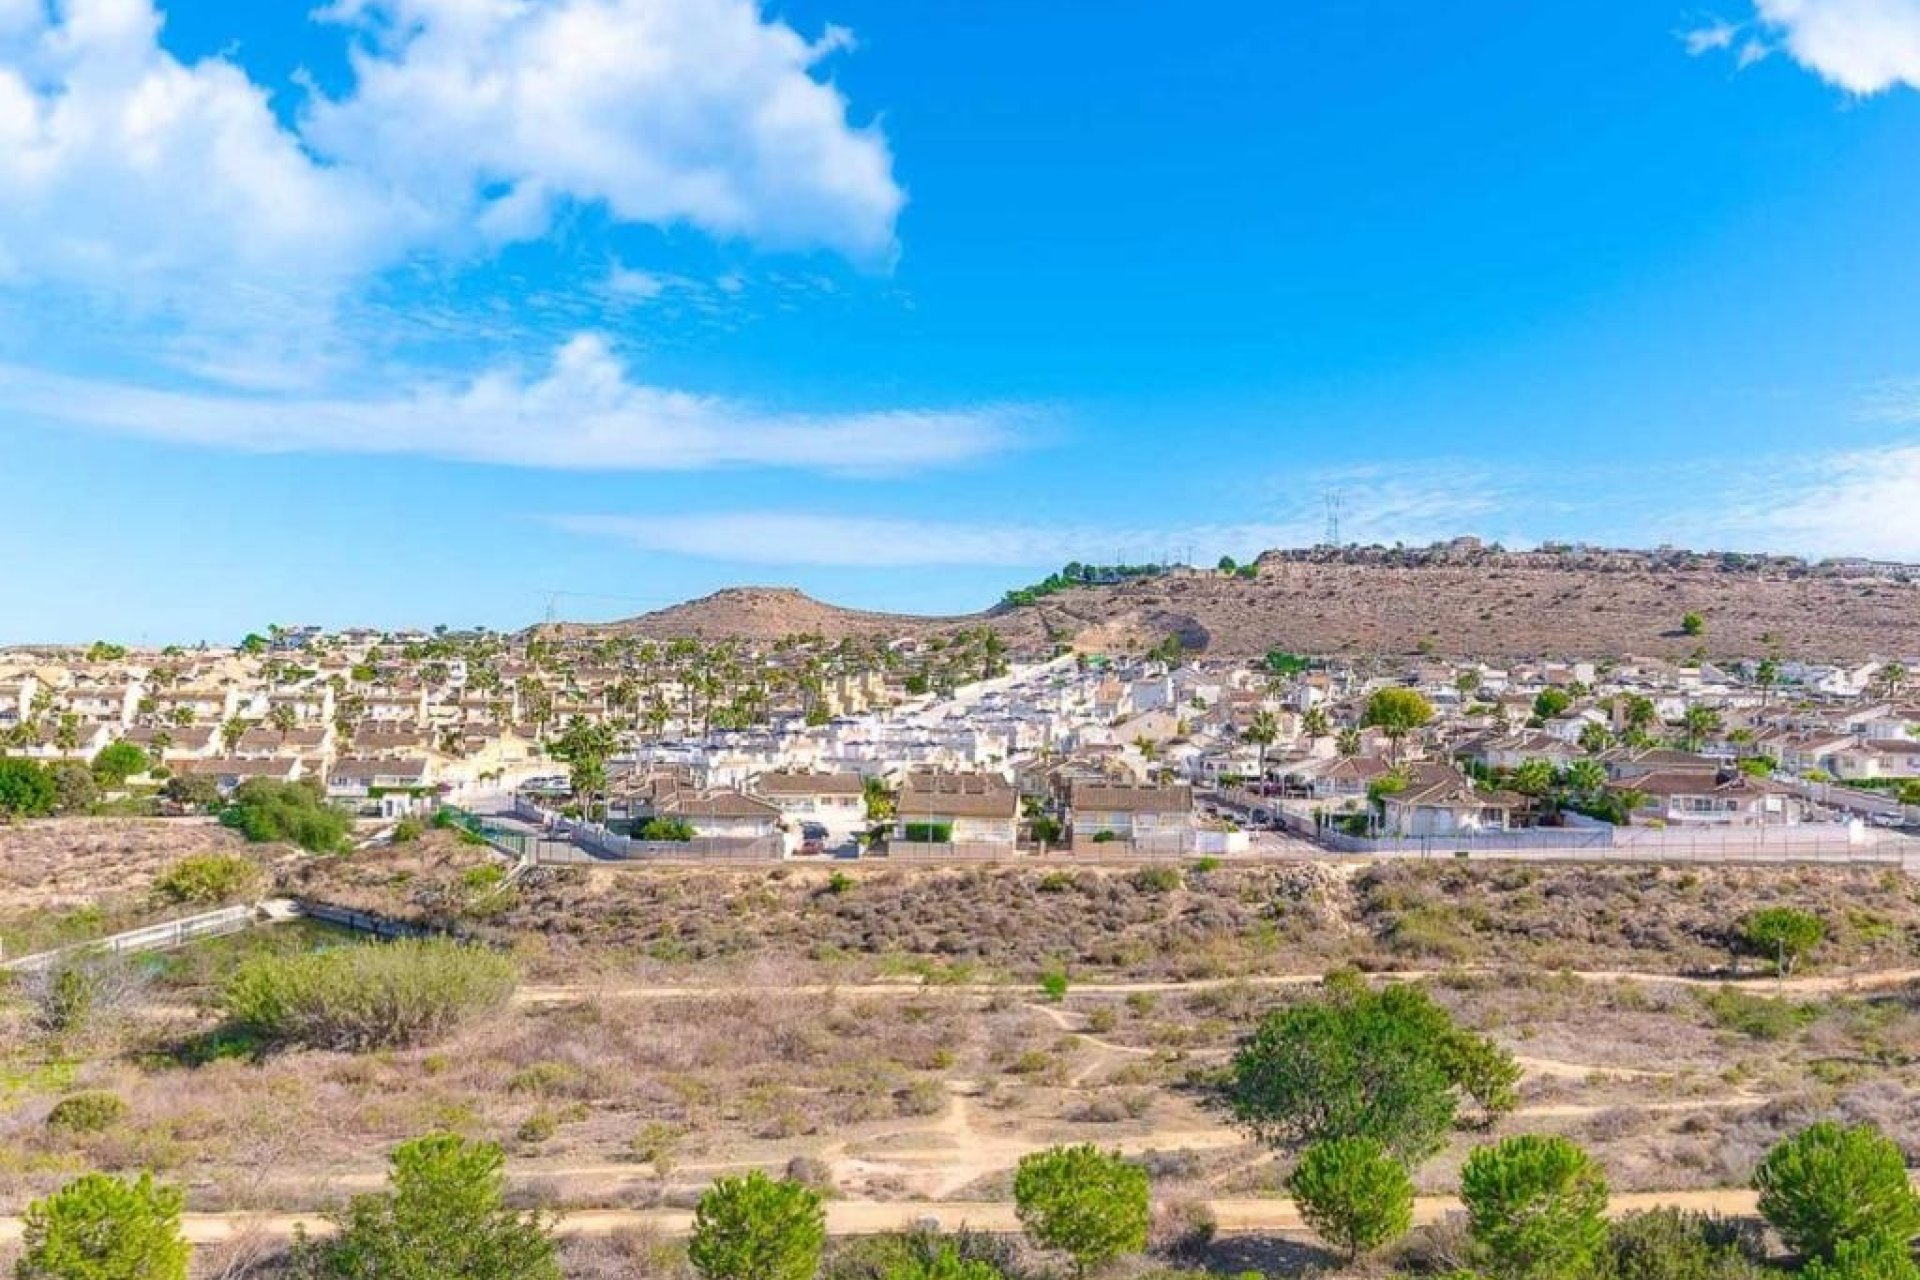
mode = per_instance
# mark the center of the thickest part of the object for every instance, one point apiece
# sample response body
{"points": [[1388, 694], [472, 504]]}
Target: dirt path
{"points": [[1825, 984], [870, 1217]]}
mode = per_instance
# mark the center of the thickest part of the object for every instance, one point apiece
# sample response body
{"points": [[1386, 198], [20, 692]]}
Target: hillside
{"points": [[763, 614], [1484, 603]]}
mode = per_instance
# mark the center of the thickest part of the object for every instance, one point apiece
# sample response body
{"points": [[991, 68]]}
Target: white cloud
{"points": [[177, 188], [833, 540], [1716, 35], [584, 412], [635, 284], [129, 172], [666, 111], [1864, 503], [163, 211], [1861, 46]]}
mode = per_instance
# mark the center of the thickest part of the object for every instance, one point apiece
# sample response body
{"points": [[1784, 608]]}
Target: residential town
{"points": [[955, 748]]}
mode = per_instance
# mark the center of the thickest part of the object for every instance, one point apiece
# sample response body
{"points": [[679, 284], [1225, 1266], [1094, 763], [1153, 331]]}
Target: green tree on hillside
{"points": [[1831, 1184], [445, 1214], [757, 1228], [1090, 1204], [1388, 1065], [100, 1227], [1785, 935], [1536, 1208], [1353, 1194]]}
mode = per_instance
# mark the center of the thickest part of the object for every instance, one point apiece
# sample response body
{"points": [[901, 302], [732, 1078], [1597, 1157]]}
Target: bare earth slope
{"points": [[764, 613], [1495, 605]]}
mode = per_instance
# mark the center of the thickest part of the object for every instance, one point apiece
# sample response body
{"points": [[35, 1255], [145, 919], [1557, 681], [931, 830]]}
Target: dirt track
{"points": [[867, 1217], [1825, 984]]}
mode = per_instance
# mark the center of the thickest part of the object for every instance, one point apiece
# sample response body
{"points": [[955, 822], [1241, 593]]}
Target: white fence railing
{"points": [[164, 936]]}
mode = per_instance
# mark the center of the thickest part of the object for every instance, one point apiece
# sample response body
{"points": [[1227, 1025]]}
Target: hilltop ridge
{"points": [[1459, 597]]}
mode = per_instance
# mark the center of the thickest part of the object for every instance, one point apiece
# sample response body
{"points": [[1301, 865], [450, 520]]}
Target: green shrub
{"points": [[1157, 879], [756, 1228], [99, 1227], [482, 879], [929, 1258], [1830, 1183], [1090, 1204], [90, 1112], [538, 1127], [26, 788], [1536, 1208], [1053, 983], [266, 810], [1671, 1244], [407, 830], [1784, 935], [1353, 1194], [366, 997], [117, 762], [1389, 1065], [1105, 837], [444, 1214], [196, 790], [678, 830], [1878, 1258], [209, 880], [927, 832], [1762, 1017]]}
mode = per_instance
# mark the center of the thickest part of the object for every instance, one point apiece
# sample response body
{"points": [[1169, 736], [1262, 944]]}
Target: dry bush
{"points": [[367, 997]]}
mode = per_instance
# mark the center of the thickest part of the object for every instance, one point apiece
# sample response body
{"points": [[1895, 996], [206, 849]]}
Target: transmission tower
{"points": [[1333, 503]]}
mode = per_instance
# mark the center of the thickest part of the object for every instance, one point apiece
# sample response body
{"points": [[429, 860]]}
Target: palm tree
{"points": [[1697, 725], [1347, 741], [1262, 733], [283, 717], [1586, 778], [1315, 725], [1594, 738]]}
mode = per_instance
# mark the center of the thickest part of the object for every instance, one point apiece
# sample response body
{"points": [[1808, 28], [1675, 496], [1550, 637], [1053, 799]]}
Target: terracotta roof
{"points": [[957, 795], [786, 783], [400, 767], [1102, 797], [717, 804]]}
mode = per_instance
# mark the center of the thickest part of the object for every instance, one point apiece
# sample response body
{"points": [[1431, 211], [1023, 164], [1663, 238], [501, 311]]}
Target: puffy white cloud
{"points": [[584, 412], [1862, 46], [703, 112], [176, 186], [127, 171]]}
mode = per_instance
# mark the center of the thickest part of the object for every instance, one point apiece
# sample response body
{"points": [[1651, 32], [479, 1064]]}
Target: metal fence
{"points": [[359, 921]]}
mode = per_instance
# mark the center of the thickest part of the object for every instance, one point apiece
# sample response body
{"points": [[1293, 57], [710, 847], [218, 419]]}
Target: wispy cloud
{"points": [[1864, 502], [876, 542], [1862, 46], [583, 412]]}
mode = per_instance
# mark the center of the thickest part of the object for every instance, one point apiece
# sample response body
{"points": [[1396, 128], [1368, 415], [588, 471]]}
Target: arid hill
{"points": [[764, 613], [1489, 604]]}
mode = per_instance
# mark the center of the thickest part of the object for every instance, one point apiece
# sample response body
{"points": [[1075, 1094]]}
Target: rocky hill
{"points": [[1478, 602], [764, 614]]}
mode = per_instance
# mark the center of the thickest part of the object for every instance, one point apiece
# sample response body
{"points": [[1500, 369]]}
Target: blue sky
{"points": [[416, 311]]}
